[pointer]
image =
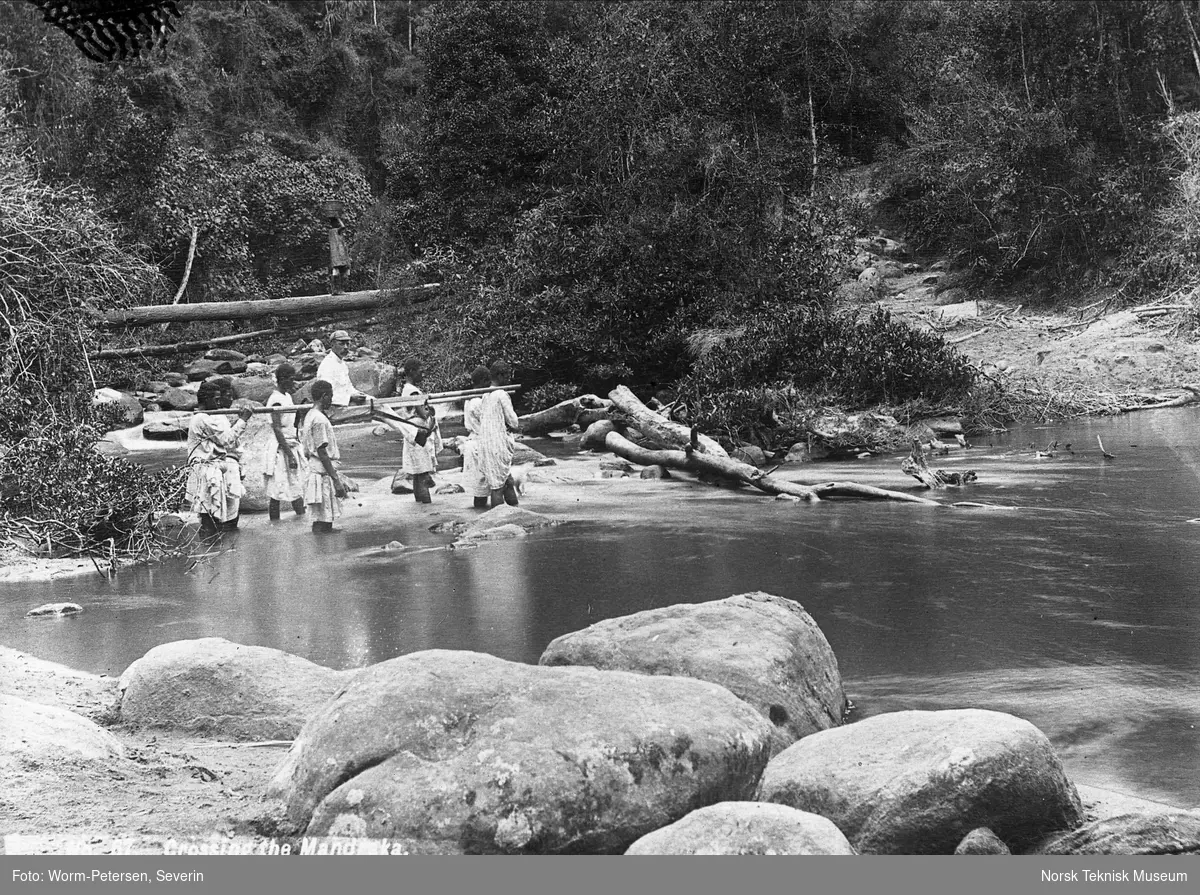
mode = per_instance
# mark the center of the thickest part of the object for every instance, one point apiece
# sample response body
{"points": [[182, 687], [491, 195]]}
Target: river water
{"points": [[1078, 611]]}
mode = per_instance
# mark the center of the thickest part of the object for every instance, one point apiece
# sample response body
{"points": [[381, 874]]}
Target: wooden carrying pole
{"points": [[381, 403]]}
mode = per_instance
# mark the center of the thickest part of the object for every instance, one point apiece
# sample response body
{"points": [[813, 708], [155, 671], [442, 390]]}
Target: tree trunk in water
{"points": [[240, 310], [603, 434], [564, 414], [657, 429]]}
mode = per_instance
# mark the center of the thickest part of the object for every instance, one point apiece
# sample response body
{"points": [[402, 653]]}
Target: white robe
{"points": [[495, 451]]}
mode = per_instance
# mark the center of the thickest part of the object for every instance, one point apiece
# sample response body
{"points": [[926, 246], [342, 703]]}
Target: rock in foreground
{"points": [[1136, 833], [745, 828], [225, 689], [917, 782], [463, 753], [48, 732], [765, 649]]}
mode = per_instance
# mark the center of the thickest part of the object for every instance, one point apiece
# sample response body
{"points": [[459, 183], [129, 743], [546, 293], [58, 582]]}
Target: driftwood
{"points": [[916, 466], [565, 414], [659, 431], [241, 310], [1192, 395], [604, 435]]}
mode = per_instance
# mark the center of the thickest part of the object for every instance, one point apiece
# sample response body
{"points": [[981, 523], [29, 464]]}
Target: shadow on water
{"points": [[1078, 612]]}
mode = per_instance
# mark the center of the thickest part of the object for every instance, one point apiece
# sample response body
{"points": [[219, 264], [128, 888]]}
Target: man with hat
{"points": [[336, 372], [349, 403]]}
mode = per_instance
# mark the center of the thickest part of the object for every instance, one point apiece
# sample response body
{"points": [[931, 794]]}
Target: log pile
{"points": [[689, 451]]}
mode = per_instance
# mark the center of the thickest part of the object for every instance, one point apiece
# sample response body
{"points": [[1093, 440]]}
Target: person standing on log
{"points": [[472, 474], [283, 477], [422, 440], [497, 422], [339, 257], [324, 487], [214, 483]]}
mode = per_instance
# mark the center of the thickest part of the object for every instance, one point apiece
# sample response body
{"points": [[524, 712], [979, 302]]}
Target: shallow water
{"points": [[1078, 611]]}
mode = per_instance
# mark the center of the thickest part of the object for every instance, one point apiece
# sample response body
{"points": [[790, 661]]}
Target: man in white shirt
{"points": [[336, 372], [349, 403]]}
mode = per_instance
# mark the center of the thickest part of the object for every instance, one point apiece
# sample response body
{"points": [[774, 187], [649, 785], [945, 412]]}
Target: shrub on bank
{"points": [[61, 496], [767, 379]]}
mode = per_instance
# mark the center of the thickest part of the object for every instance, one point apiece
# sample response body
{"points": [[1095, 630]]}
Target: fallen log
{"points": [[564, 414], [1192, 394], [657, 429], [180, 347], [267, 307], [604, 435]]}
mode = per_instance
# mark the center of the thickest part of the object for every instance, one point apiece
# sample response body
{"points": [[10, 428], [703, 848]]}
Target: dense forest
{"points": [[647, 191]]}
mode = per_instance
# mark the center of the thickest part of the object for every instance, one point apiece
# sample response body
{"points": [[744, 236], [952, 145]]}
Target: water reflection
{"points": [[1078, 612]]}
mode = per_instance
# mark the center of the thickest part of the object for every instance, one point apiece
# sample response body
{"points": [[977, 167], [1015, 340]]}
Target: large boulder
{"points": [[765, 649], [203, 368], [256, 388], [180, 397], [37, 731], [745, 828], [372, 377], [128, 405], [1135, 833], [224, 689], [917, 782], [167, 425], [463, 753]]}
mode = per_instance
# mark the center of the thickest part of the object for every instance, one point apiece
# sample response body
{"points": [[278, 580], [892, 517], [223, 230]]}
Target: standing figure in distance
{"points": [[472, 473], [497, 422], [323, 485], [339, 258], [283, 474], [214, 483]]}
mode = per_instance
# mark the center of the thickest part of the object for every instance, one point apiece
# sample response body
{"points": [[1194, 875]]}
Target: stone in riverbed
{"points": [[1135, 833], [169, 425], [464, 753], [130, 406], [54, 609], [765, 649], [982, 841], [917, 782], [227, 690], [50, 732], [180, 397], [745, 828]]}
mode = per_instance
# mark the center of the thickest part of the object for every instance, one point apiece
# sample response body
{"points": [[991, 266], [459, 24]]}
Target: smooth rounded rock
{"points": [[765, 649], [463, 753], [917, 782], [225, 689], [44, 731], [745, 828]]}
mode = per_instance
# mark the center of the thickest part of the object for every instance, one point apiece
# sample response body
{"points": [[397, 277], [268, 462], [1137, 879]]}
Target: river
{"points": [[1078, 611]]}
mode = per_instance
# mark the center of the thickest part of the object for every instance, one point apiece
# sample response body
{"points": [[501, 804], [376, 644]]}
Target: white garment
{"points": [[214, 482], [496, 445], [336, 372], [419, 458], [281, 481], [469, 447]]}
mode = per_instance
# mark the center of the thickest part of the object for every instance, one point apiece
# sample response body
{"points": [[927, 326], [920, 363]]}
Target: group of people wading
{"points": [[301, 466]]}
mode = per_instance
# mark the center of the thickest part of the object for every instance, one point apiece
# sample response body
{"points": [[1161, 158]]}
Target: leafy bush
{"points": [[59, 492], [779, 365]]}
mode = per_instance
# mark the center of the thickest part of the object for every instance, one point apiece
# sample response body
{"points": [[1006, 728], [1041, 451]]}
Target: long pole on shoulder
{"points": [[406, 401]]}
